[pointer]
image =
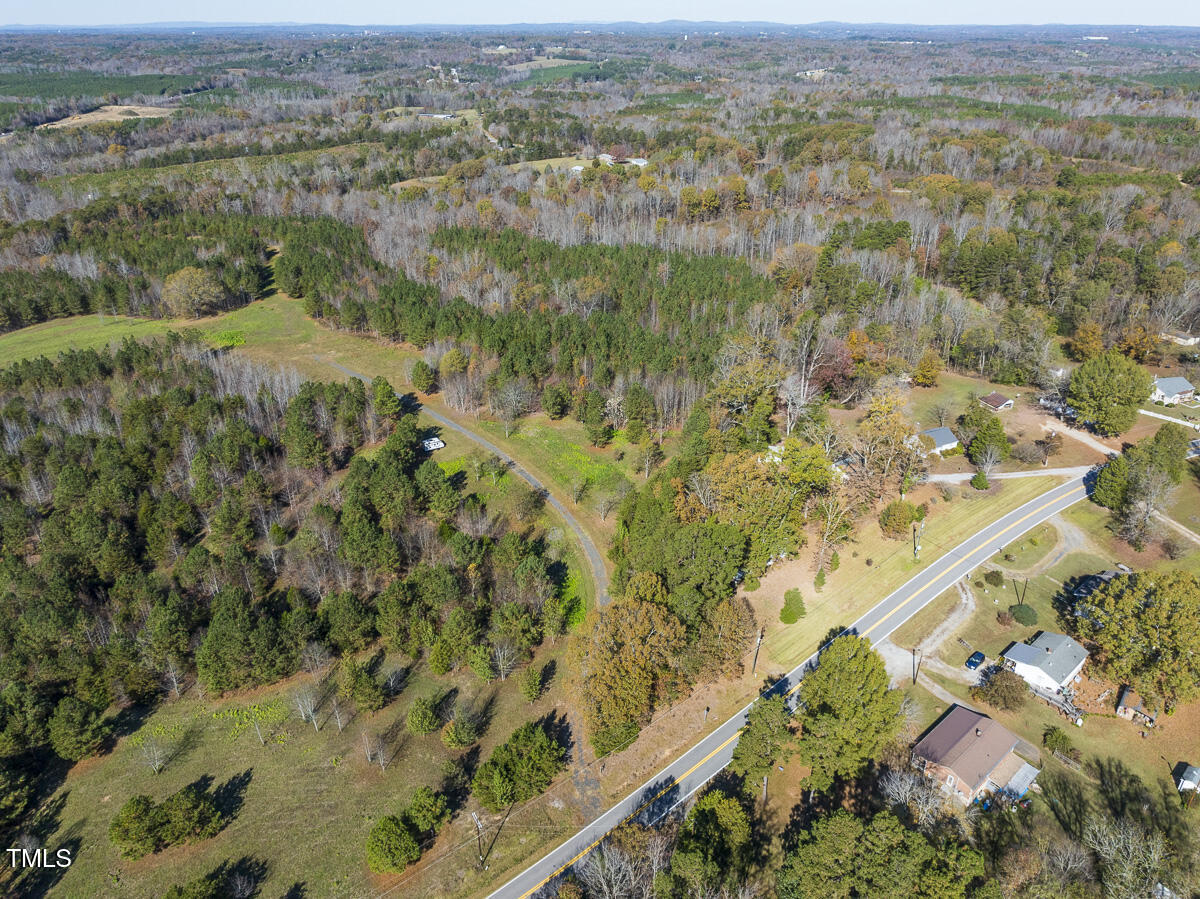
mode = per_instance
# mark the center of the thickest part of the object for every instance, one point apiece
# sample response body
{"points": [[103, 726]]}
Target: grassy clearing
{"points": [[121, 180], [1030, 549], [562, 451], [309, 800], [856, 586], [1184, 503], [925, 621]]}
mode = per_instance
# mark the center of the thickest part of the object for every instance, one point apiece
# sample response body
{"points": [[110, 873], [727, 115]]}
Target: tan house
{"points": [[971, 755]]}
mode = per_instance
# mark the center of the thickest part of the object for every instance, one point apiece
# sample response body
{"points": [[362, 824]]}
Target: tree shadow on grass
{"points": [[231, 795], [456, 786], [1068, 802]]}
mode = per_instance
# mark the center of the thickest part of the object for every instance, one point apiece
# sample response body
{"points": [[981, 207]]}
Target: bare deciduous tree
{"points": [[504, 657], [1132, 859], [988, 460], [306, 706], [314, 659]]}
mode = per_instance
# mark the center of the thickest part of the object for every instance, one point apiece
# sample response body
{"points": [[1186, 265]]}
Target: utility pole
{"points": [[706, 714], [762, 633], [916, 664], [479, 839], [918, 532]]}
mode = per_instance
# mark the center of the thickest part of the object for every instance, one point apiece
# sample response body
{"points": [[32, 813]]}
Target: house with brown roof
{"points": [[996, 401], [971, 755]]}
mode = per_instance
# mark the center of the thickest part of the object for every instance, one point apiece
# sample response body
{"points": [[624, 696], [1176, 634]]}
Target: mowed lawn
{"points": [[856, 586]]}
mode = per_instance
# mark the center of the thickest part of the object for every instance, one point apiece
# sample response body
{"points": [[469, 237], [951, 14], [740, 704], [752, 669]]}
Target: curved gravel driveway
{"points": [[595, 560]]}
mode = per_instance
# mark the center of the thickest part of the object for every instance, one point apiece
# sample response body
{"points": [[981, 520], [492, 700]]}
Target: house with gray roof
{"points": [[1173, 390], [943, 440], [1048, 663]]}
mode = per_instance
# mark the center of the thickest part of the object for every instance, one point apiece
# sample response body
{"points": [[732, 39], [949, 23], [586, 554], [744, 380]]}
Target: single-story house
{"points": [[1189, 778], [1173, 390], [969, 754], [1131, 707], [433, 443], [943, 439], [637, 160], [605, 158], [1180, 337], [997, 402], [1049, 663], [576, 168]]}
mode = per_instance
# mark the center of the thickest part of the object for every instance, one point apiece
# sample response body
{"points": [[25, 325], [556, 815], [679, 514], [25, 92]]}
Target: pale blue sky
{"points": [[359, 12]]}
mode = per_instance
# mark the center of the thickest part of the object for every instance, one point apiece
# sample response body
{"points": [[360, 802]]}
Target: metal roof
{"points": [[1056, 654], [1173, 386], [941, 436]]}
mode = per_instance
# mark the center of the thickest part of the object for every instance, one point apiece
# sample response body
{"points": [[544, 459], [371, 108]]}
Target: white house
{"points": [[1189, 778], [638, 161], [1173, 390], [943, 439], [605, 158], [1049, 663]]}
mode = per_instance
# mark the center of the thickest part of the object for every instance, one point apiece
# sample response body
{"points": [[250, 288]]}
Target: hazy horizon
{"points": [[367, 13]]}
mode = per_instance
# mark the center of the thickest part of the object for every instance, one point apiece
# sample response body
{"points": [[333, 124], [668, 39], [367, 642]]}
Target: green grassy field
{"points": [[121, 180], [308, 798]]}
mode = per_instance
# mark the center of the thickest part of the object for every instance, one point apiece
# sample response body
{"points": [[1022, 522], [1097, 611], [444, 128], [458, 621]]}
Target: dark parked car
{"points": [[975, 661]]}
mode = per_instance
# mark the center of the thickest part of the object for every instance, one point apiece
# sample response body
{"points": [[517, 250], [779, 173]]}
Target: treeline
{"points": [[591, 310], [119, 256], [159, 523]]}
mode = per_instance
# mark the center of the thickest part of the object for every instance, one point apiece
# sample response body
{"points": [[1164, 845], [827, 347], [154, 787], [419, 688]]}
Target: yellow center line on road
{"points": [[676, 780], [936, 579], [641, 808]]}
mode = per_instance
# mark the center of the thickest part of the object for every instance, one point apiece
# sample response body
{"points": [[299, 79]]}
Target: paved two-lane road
{"points": [[703, 761], [595, 560]]}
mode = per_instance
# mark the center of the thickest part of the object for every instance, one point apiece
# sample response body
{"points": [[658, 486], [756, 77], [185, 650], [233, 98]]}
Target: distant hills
{"points": [[830, 30]]}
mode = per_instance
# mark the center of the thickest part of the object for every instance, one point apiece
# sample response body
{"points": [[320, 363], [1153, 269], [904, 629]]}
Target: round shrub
{"points": [[979, 481], [1023, 614]]}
